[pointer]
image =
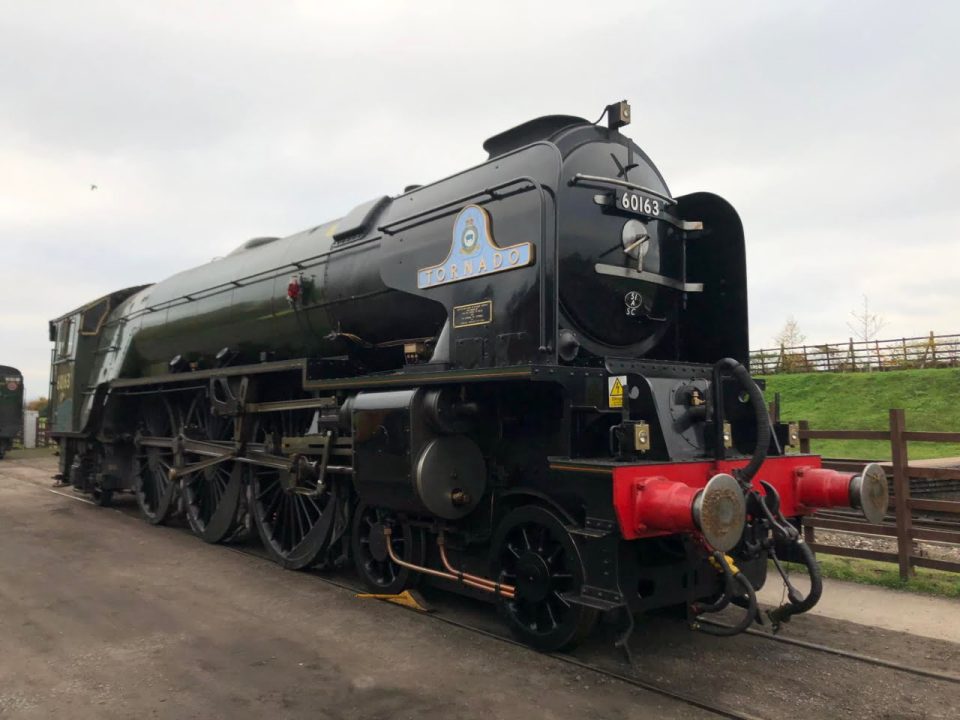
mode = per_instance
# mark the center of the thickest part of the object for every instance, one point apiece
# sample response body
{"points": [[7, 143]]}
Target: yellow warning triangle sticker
{"points": [[615, 394]]}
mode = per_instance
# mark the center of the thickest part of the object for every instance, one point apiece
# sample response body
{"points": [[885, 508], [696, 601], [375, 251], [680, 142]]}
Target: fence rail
{"points": [[897, 354], [902, 504]]}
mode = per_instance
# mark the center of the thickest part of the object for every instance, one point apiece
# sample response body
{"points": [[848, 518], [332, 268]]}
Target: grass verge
{"points": [[862, 401]]}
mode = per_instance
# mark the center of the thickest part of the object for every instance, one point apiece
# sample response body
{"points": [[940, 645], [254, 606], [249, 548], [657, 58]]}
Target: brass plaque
{"points": [[641, 437], [480, 313]]}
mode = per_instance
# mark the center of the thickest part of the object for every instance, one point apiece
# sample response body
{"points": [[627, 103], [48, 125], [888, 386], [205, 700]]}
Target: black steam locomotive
{"points": [[11, 407], [524, 381]]}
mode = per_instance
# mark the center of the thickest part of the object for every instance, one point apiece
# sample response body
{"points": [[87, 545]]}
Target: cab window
{"points": [[92, 318], [65, 331]]}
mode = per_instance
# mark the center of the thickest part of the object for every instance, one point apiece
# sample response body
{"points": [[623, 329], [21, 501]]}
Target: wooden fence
{"points": [[902, 504], [43, 438], [897, 354]]}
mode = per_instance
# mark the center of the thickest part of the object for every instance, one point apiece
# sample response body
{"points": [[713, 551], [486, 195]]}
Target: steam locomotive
{"points": [[525, 381], [11, 406]]}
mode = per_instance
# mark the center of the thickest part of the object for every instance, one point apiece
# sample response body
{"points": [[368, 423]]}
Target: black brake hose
{"points": [[797, 604], [728, 590], [747, 384], [751, 606]]}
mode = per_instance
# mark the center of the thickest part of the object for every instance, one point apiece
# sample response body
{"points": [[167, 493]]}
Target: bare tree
{"points": [[790, 335], [865, 325]]}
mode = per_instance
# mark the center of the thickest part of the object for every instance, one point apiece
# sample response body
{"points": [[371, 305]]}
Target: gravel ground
{"points": [[103, 616], [938, 551]]}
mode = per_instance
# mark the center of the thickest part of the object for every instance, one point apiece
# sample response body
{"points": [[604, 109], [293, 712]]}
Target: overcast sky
{"points": [[833, 127]]}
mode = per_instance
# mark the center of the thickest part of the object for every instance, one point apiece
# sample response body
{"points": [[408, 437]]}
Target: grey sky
{"points": [[833, 127]]}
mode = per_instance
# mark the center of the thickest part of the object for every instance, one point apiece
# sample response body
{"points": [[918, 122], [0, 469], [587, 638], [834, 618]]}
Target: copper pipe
{"points": [[499, 588], [430, 571], [387, 532]]}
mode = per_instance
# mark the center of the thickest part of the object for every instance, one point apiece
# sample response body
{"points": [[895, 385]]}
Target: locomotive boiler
{"points": [[524, 381]]}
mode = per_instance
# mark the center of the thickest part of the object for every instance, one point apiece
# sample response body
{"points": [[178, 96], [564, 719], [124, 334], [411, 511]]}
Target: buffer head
{"points": [[869, 492], [720, 512]]}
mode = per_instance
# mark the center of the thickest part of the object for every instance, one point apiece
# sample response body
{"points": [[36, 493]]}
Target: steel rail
{"points": [[839, 652], [860, 657]]}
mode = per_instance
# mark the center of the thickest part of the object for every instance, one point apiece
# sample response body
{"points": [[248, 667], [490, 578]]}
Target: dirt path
{"points": [[104, 616]]}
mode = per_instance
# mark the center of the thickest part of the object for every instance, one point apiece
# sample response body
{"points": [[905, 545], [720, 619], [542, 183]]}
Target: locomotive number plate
{"points": [[639, 203]]}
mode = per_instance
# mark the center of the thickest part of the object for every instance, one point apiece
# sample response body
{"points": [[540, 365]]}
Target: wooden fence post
{"points": [[809, 534], [901, 492]]}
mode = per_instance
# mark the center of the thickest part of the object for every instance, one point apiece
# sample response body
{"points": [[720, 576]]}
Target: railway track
{"points": [[132, 513], [931, 520], [641, 683], [869, 659], [649, 686]]}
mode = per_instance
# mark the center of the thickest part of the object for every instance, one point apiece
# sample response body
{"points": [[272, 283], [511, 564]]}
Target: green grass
{"points": [[883, 574], [861, 401]]}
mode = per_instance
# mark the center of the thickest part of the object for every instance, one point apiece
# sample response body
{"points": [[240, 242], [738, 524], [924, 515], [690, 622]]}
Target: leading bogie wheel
{"points": [[534, 551], [370, 556]]}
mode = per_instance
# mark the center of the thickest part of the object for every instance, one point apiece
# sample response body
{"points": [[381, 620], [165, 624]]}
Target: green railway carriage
{"points": [[11, 406]]}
